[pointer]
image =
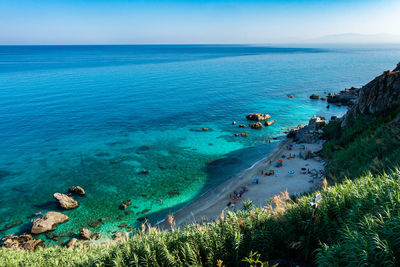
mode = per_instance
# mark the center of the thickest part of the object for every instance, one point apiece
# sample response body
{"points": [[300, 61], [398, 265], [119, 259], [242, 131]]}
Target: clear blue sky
{"points": [[173, 21]]}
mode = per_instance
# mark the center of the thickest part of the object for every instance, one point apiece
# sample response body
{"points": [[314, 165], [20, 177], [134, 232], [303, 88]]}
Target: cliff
{"points": [[377, 97]]}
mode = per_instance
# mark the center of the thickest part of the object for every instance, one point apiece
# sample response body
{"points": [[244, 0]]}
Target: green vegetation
{"points": [[367, 144], [356, 223]]}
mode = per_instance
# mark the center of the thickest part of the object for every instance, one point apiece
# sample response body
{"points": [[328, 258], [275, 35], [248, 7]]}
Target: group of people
{"points": [[237, 195]]}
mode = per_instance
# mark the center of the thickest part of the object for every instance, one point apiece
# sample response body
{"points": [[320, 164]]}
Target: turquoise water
{"points": [[97, 116]]}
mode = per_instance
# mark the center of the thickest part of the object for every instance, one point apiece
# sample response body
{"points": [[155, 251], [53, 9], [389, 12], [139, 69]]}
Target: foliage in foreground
{"points": [[356, 222]]}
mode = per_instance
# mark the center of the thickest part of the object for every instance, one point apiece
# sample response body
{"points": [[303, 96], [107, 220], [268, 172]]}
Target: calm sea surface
{"points": [[98, 116]]}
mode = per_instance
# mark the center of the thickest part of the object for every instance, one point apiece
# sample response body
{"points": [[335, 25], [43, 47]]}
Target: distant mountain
{"points": [[348, 38]]}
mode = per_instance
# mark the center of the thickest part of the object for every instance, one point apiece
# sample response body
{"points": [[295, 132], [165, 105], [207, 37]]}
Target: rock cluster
{"points": [[65, 201], [48, 222], [310, 133], [258, 117], [345, 97], [378, 96], [25, 242]]}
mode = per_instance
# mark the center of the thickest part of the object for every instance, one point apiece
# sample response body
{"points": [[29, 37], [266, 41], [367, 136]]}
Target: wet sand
{"points": [[210, 205]]}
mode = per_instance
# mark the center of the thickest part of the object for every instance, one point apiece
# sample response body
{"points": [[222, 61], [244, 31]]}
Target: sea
{"points": [[126, 122]]}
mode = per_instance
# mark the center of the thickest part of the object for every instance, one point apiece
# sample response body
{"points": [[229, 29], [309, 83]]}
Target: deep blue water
{"points": [[96, 116]]}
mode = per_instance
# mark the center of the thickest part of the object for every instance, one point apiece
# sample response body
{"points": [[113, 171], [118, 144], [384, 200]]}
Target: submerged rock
{"points": [[314, 96], [257, 125], [243, 134], [125, 204], [48, 222], [258, 117], [145, 211], [77, 190], [65, 201], [173, 193], [25, 242], [242, 126], [290, 96], [11, 225]]}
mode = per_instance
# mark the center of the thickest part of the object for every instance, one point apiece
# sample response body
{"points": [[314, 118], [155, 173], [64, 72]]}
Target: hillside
{"points": [[357, 221]]}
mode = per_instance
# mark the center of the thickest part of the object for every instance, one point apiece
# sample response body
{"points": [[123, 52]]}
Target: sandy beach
{"points": [[211, 204]]}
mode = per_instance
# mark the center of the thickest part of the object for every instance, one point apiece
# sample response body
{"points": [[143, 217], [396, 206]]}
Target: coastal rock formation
{"points": [[269, 123], [71, 243], [77, 190], [257, 125], [290, 96], [48, 222], [85, 234], [243, 134], [25, 242], [310, 133], [345, 97], [258, 117], [378, 96], [65, 201], [242, 126], [314, 96]]}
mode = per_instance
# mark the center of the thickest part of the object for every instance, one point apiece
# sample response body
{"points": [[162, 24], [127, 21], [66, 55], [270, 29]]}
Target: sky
{"points": [[193, 22]]}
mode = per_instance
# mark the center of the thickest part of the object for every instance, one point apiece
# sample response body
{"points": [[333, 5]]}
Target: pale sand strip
{"points": [[210, 205]]}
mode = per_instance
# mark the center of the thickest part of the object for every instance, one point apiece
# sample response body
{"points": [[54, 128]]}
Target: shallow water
{"points": [[99, 116]]}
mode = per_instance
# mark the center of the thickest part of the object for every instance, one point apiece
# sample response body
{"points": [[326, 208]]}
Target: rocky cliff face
{"points": [[378, 96]]}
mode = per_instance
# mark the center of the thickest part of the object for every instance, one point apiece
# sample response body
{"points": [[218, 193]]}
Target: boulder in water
{"points": [[258, 117], [269, 123], [257, 125], [65, 201], [77, 190], [48, 222], [314, 96]]}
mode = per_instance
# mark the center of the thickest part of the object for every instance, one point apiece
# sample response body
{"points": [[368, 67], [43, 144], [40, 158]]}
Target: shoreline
{"points": [[210, 205]]}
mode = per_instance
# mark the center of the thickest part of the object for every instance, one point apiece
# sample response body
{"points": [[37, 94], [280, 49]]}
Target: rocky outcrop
{"points": [[257, 125], [269, 123], [65, 201], [378, 96], [85, 234], [25, 242], [314, 96], [310, 133], [71, 243], [77, 190], [258, 117], [48, 222], [345, 97]]}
